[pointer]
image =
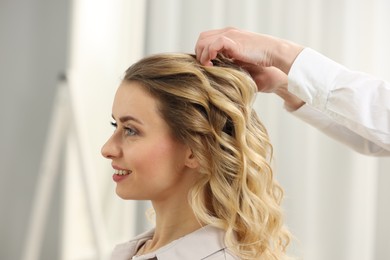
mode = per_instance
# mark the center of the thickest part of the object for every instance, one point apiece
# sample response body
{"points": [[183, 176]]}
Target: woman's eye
{"points": [[127, 130], [130, 131]]}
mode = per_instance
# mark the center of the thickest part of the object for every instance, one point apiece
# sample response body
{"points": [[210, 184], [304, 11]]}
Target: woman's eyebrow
{"points": [[124, 119]]}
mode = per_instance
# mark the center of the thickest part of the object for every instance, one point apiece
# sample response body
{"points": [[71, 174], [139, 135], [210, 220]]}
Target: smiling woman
{"points": [[148, 161], [188, 140]]}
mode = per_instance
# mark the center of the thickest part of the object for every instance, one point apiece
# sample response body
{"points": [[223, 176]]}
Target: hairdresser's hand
{"points": [[257, 50], [266, 58], [273, 80]]}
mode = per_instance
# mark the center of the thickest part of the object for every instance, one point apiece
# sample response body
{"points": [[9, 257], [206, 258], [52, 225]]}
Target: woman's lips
{"points": [[121, 175]]}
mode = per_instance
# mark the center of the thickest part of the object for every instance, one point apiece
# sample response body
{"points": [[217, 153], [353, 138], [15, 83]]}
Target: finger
{"points": [[221, 44], [199, 48], [202, 38], [210, 33], [206, 38]]}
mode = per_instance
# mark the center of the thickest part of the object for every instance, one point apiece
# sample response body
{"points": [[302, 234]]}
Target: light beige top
{"points": [[204, 243]]}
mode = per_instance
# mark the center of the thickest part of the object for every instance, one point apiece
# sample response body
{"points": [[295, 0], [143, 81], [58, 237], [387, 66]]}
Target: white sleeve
{"points": [[338, 132], [353, 102]]}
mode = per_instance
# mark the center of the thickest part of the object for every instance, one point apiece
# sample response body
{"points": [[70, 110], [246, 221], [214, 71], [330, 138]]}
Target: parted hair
{"points": [[209, 108]]}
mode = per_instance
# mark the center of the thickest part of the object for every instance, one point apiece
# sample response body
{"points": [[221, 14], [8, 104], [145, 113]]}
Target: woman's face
{"points": [[149, 164]]}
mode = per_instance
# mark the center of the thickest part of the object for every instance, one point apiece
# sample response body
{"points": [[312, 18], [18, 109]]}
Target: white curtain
{"points": [[336, 201], [106, 37]]}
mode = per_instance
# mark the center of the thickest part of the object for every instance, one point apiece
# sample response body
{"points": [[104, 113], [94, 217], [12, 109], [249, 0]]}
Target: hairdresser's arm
{"points": [[352, 100], [327, 125], [362, 122]]}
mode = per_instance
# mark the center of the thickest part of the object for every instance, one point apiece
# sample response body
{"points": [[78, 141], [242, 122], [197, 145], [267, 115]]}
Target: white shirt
{"points": [[204, 243], [349, 106]]}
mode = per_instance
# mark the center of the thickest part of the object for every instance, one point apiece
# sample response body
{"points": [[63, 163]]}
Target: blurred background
{"points": [[61, 62]]}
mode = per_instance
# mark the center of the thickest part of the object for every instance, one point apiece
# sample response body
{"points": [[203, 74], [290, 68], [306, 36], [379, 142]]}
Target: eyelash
{"points": [[129, 131]]}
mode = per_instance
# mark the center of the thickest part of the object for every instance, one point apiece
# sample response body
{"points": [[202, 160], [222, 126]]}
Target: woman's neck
{"points": [[172, 222]]}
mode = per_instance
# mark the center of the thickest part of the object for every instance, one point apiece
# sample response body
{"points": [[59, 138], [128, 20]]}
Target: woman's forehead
{"points": [[132, 100]]}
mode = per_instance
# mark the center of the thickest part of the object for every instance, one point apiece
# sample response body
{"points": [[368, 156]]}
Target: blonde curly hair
{"points": [[210, 109]]}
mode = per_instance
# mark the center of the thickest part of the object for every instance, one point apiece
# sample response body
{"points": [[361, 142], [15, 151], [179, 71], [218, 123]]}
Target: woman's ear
{"points": [[191, 161]]}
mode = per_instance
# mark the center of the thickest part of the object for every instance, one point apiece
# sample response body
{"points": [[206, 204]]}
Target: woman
{"points": [[188, 140]]}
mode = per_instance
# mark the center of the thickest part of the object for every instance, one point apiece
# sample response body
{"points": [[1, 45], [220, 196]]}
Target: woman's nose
{"points": [[111, 148]]}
